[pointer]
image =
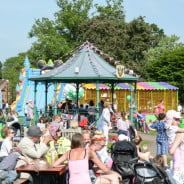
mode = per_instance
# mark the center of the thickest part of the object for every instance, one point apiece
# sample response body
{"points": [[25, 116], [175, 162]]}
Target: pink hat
{"points": [[53, 131]]}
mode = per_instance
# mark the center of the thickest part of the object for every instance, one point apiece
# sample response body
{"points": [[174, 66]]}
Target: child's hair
{"points": [[159, 161], [137, 140], [123, 115], [87, 132], [161, 116], [145, 148], [15, 143]]}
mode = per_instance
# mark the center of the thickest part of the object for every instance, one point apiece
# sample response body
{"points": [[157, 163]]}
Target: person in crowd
{"points": [[161, 139], [146, 155], [86, 104], [56, 120], [7, 142], [122, 124], [2, 117], [42, 122], [91, 104], [11, 119], [59, 145], [87, 138], [102, 153], [98, 146], [176, 144], [7, 173], [105, 120], [173, 120], [26, 108], [180, 108], [78, 161], [64, 123], [30, 109], [66, 106], [160, 108], [31, 147]]}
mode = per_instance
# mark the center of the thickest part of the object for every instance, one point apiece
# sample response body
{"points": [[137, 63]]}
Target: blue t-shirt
{"points": [[160, 127]]}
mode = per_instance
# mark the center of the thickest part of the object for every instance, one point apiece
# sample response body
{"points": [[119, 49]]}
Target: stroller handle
{"points": [[133, 160]]}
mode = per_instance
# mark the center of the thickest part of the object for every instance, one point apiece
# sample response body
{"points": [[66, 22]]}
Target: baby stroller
{"points": [[149, 173], [124, 156]]}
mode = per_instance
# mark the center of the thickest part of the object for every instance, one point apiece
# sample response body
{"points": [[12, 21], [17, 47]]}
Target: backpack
{"points": [[123, 154], [149, 173]]}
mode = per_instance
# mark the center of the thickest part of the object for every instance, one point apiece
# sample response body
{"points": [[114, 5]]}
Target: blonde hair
{"points": [[74, 124], [106, 104], [145, 148], [87, 132], [98, 135]]}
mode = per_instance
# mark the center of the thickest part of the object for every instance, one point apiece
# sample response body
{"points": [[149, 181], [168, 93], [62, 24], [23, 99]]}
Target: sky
{"points": [[18, 16]]}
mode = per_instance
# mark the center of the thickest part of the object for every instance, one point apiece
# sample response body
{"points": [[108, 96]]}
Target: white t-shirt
{"points": [[171, 133]]}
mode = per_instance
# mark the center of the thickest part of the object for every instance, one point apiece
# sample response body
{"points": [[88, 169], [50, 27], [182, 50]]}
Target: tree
{"points": [[125, 42], [165, 45], [11, 71], [169, 67], [55, 38]]}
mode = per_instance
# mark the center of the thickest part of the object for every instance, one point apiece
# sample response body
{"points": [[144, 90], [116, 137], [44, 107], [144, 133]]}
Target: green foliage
{"points": [[126, 42], [169, 67], [11, 70], [138, 45]]}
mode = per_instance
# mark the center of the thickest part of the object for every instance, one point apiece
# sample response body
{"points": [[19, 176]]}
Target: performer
{"points": [[160, 108]]}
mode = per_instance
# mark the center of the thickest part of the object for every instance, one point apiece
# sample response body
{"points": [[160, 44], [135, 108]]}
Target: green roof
{"points": [[84, 66]]}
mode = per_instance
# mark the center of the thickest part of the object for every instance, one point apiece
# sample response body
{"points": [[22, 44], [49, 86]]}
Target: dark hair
{"points": [[91, 103], [123, 115], [77, 141], [137, 140], [161, 116]]}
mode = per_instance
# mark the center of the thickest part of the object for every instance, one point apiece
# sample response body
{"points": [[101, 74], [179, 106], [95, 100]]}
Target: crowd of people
{"points": [[89, 158]]}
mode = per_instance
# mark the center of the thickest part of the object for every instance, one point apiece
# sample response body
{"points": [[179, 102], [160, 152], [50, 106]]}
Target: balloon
{"points": [[69, 92], [129, 97]]}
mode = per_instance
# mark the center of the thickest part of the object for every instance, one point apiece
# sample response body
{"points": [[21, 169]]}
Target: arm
{"points": [[60, 160], [176, 143], [180, 130], [29, 150], [25, 160], [96, 160], [102, 166]]}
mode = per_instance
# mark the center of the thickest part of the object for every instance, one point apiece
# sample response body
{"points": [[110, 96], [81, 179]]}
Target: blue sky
{"points": [[18, 16]]}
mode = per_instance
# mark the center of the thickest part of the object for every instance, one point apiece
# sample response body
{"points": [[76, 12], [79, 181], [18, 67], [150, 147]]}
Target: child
{"points": [[161, 139], [145, 153], [7, 166]]}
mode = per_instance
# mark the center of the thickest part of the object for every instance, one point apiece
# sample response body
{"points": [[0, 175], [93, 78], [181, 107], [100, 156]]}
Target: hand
{"points": [[118, 175], [30, 163], [47, 139]]}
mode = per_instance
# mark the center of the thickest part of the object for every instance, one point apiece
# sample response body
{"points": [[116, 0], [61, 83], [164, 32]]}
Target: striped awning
{"points": [[140, 86]]}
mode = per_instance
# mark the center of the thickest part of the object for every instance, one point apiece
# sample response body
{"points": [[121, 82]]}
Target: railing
{"points": [[68, 133]]}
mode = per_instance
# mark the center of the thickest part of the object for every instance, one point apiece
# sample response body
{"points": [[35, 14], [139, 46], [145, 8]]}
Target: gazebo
{"points": [[85, 66]]}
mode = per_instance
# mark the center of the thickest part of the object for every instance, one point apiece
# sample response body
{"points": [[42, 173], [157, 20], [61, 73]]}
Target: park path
{"points": [[152, 142]]}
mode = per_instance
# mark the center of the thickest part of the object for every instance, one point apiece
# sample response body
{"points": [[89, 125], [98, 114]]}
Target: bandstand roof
{"points": [[85, 66]]}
